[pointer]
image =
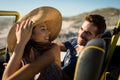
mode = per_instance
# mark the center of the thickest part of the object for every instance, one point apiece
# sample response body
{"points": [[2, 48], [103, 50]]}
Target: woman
{"points": [[33, 55]]}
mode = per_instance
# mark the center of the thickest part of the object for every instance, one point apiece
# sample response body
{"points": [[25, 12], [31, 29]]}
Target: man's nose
{"points": [[83, 33]]}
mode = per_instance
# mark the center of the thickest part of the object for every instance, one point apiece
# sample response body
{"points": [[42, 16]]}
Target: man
{"points": [[93, 27]]}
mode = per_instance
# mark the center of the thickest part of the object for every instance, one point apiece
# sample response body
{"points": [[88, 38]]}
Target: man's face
{"points": [[87, 32]]}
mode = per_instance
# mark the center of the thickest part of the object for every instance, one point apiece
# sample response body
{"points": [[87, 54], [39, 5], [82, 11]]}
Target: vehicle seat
{"points": [[4, 58], [113, 69]]}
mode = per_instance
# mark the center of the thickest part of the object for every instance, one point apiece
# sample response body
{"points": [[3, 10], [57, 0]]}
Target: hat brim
{"points": [[49, 15]]}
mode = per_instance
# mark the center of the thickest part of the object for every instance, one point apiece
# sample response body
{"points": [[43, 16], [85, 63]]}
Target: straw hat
{"points": [[51, 16]]}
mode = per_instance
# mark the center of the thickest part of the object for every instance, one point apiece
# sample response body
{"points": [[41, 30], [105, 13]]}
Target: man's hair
{"points": [[98, 21]]}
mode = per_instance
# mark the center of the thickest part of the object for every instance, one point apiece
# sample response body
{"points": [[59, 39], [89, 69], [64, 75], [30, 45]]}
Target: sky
{"points": [[66, 7]]}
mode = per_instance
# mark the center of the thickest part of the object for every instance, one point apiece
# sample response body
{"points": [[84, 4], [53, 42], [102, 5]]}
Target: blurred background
{"points": [[73, 12]]}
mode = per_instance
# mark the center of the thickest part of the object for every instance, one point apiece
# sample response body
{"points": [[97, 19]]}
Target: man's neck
{"points": [[79, 48]]}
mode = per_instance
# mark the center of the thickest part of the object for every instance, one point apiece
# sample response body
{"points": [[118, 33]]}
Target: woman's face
{"points": [[41, 34]]}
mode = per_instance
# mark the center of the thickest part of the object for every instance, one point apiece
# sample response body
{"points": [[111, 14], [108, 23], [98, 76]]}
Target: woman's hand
{"points": [[24, 31]]}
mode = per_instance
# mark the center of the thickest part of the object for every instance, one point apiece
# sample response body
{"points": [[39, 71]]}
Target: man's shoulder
{"points": [[73, 40], [71, 43]]}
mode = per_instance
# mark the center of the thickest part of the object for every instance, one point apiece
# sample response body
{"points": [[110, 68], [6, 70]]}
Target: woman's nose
{"points": [[48, 32]]}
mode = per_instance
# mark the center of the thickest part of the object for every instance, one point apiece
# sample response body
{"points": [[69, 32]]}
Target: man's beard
{"points": [[83, 42]]}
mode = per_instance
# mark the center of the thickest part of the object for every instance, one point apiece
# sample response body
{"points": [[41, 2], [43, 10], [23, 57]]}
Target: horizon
{"points": [[67, 8]]}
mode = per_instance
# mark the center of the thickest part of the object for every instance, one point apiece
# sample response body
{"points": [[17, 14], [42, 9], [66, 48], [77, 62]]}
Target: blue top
{"points": [[69, 62]]}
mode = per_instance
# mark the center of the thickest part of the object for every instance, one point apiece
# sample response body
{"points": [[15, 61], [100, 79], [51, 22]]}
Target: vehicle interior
{"points": [[110, 67]]}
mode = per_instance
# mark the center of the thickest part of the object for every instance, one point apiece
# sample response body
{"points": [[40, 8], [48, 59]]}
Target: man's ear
{"points": [[99, 35]]}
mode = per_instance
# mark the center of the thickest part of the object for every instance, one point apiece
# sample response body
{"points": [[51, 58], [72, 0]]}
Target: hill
{"points": [[71, 25]]}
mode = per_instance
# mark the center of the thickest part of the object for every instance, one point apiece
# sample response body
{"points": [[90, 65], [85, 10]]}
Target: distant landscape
{"points": [[5, 25], [71, 25]]}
